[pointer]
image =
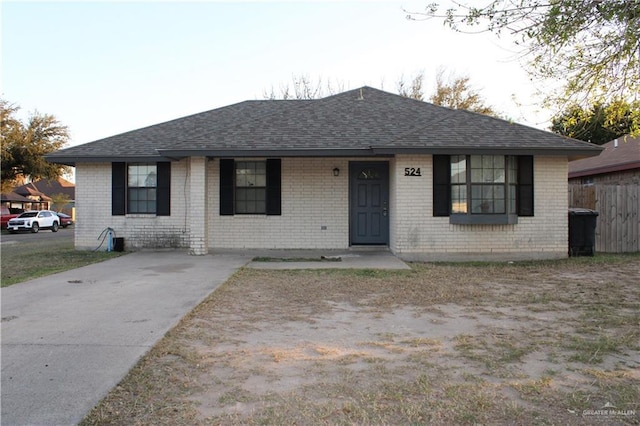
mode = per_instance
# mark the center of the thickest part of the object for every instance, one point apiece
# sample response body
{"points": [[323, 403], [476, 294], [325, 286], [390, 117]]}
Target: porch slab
{"points": [[360, 258]]}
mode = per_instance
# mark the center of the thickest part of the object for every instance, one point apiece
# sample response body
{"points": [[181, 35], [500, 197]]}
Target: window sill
{"points": [[483, 219]]}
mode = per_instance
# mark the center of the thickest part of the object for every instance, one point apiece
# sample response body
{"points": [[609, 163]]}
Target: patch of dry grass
{"points": [[440, 344]]}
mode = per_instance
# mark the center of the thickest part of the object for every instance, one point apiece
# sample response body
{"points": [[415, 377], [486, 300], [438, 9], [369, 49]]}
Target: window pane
{"points": [[458, 169], [512, 199], [458, 199], [251, 182], [477, 206], [369, 174], [133, 207], [513, 169]]}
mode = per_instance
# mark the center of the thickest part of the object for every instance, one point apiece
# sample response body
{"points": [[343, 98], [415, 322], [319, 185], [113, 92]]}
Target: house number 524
{"points": [[412, 171]]}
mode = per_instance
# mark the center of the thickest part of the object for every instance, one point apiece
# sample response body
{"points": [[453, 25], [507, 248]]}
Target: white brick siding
{"points": [[416, 234], [315, 210], [315, 213], [93, 212]]}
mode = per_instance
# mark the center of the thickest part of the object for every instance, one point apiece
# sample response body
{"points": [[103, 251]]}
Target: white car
{"points": [[34, 220]]}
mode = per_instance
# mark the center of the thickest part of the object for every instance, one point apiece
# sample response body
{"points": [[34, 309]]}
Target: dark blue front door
{"points": [[369, 202]]}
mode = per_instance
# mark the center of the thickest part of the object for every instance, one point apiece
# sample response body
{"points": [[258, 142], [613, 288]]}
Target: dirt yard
{"points": [[526, 343]]}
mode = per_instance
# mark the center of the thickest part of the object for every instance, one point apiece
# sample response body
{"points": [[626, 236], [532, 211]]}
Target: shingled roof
{"points": [[619, 155], [360, 122]]}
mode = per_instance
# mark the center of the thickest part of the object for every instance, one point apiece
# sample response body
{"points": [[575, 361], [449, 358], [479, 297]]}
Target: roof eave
{"points": [[71, 160], [572, 153], [178, 154], [605, 169]]}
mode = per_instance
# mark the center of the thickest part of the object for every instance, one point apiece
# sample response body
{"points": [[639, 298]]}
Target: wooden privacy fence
{"points": [[618, 223]]}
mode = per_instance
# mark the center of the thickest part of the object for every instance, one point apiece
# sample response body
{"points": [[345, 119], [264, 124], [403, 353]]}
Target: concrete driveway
{"points": [[68, 338]]}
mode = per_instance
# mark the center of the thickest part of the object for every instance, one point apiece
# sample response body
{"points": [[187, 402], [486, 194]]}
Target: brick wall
{"points": [[315, 209], [93, 212], [315, 213], [416, 234]]}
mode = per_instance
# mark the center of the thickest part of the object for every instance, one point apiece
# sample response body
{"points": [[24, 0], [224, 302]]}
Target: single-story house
{"points": [[15, 201], [618, 164], [360, 168], [41, 192]]}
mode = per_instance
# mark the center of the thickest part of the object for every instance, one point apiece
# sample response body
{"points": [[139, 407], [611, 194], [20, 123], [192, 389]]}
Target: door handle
{"points": [[384, 212]]}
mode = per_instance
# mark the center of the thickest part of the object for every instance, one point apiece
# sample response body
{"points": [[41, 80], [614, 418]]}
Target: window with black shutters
{"points": [[250, 187], [141, 188], [482, 189]]}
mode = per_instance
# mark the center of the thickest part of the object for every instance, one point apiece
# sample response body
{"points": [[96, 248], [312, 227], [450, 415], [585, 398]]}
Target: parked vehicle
{"points": [[34, 220], [8, 214], [65, 219]]}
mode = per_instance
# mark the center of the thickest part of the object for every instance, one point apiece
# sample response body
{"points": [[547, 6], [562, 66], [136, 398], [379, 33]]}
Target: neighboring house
{"points": [[618, 164], [40, 192], [360, 168], [15, 201], [610, 185]]}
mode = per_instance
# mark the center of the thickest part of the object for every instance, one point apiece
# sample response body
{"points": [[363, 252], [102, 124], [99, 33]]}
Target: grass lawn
{"points": [[554, 342], [38, 258]]}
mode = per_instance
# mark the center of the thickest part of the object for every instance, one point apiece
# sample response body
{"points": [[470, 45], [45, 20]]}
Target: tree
{"points": [[452, 91], [592, 46], [455, 92], [304, 88], [59, 201], [412, 90], [25, 144], [597, 124]]}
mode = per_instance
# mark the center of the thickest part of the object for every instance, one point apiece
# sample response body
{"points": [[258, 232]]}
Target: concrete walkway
{"points": [[326, 259], [68, 338]]}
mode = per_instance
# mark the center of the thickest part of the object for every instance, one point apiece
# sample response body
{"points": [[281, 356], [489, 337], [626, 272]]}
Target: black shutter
{"points": [[524, 200], [441, 187], [163, 191], [227, 170], [274, 187], [118, 188]]}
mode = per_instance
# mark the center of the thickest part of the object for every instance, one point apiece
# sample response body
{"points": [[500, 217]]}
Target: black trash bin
{"points": [[582, 232], [118, 244]]}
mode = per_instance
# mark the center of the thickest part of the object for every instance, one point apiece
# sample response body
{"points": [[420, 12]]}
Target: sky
{"points": [[103, 68]]}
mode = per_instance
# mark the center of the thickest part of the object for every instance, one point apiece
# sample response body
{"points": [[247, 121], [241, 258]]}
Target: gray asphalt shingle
{"points": [[363, 119]]}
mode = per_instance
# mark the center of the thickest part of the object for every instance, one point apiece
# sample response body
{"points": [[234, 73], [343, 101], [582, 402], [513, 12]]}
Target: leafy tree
{"points": [[25, 144], [455, 92], [598, 124], [59, 201], [592, 46]]}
